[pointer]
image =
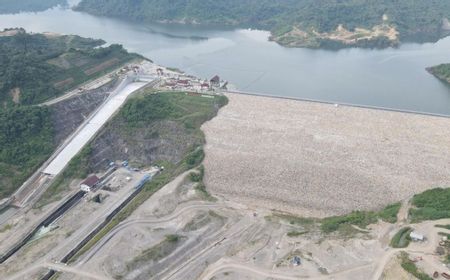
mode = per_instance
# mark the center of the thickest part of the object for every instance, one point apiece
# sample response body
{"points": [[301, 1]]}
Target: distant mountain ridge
{"points": [[298, 23]]}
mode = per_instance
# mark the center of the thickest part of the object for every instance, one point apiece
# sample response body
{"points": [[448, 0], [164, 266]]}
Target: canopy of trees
{"points": [[26, 140], [23, 60], [38, 67]]}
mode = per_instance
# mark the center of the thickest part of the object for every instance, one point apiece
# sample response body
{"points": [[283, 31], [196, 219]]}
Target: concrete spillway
{"points": [[88, 130]]}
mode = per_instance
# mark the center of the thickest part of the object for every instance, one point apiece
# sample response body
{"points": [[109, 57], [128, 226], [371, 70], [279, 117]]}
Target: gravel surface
{"points": [[316, 159]]}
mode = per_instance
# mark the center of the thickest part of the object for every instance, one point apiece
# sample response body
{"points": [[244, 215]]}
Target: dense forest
{"points": [[14, 6], [418, 20], [26, 140], [34, 68]]}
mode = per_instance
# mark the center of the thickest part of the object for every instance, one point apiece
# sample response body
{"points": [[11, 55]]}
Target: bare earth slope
{"points": [[318, 159]]}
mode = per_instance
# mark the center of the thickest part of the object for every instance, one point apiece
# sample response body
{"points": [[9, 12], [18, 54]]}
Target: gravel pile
{"points": [[317, 159]]}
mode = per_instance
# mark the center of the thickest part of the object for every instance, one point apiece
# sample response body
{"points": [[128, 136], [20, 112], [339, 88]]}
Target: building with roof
{"points": [[89, 183], [215, 81], [204, 86], [183, 82], [415, 236]]}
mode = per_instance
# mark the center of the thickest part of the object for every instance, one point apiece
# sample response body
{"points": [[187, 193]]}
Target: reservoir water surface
{"points": [[391, 78]]}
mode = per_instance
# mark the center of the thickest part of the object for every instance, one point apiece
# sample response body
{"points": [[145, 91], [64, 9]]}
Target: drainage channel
{"points": [[45, 223]]}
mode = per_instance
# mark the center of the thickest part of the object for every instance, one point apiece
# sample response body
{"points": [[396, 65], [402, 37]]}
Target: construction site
{"points": [[252, 209], [179, 233]]}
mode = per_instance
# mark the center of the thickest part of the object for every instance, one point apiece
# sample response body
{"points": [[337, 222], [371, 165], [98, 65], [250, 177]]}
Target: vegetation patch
{"points": [[430, 205], [401, 239], [441, 71], [358, 218], [390, 212], [411, 267], [197, 176], [201, 189], [156, 253], [348, 224], [295, 233]]}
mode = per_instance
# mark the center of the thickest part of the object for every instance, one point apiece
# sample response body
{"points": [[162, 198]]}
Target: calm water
{"points": [[393, 78]]}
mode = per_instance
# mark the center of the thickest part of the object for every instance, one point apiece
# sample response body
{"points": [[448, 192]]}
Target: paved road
{"points": [[88, 86]]}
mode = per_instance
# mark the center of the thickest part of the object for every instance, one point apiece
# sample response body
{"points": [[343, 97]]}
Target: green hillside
{"points": [[35, 68], [417, 20]]}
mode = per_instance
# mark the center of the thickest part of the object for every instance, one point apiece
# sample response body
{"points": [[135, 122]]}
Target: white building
{"points": [[415, 236], [89, 183]]}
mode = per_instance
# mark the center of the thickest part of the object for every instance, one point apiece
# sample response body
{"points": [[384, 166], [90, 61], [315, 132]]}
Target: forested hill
{"points": [[34, 68], [298, 23]]}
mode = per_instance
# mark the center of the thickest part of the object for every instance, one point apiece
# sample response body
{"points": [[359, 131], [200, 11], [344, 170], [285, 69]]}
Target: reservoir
{"points": [[390, 78]]}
